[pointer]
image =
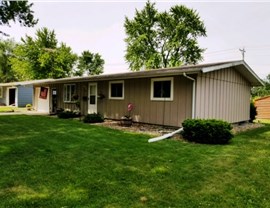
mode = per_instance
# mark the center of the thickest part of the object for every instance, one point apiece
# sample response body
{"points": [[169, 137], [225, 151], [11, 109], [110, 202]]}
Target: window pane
{"points": [[69, 92], [162, 89], [166, 89], [92, 99], [157, 89], [92, 90], [116, 90], [72, 92]]}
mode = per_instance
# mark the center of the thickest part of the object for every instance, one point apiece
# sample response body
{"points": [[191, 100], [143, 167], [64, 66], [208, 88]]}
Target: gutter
{"points": [[193, 93]]}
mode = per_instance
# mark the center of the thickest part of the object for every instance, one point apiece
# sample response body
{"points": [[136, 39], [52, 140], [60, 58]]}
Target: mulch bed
{"points": [[156, 130]]}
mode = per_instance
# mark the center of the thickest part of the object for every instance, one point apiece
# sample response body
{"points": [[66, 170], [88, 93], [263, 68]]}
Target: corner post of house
{"points": [[193, 94]]}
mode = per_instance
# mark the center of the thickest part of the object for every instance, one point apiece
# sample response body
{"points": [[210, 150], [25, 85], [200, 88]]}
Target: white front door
{"points": [[92, 104]]}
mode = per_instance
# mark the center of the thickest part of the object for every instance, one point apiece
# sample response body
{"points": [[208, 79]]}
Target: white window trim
{"points": [[152, 89], [123, 90], [68, 101], [1, 92]]}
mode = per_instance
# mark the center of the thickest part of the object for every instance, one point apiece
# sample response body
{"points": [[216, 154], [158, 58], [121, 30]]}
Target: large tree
{"points": [[42, 57], [163, 39], [16, 11], [90, 63], [6, 51], [262, 90]]}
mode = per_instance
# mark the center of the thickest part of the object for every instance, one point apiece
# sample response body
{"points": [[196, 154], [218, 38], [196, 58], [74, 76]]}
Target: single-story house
{"points": [[263, 107], [17, 94], [161, 96]]}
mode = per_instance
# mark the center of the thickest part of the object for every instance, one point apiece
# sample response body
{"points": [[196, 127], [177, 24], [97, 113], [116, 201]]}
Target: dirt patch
{"points": [[237, 128], [156, 130], [151, 129]]}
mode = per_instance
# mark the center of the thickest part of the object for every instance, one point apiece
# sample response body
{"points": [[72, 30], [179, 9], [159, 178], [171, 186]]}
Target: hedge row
{"points": [[207, 131]]}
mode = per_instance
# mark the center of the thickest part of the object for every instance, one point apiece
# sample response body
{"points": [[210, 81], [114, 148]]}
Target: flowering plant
{"points": [[130, 107]]}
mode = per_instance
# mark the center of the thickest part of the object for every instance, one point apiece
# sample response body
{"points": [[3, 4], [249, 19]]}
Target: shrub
{"points": [[208, 131], [252, 112], [28, 107], [93, 118], [68, 114]]}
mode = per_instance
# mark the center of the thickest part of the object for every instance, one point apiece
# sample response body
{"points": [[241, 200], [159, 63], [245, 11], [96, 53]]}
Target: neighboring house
{"points": [[17, 93], [161, 96], [263, 107]]}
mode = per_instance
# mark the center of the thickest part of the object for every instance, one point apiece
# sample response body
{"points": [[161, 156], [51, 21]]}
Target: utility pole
{"points": [[243, 51]]}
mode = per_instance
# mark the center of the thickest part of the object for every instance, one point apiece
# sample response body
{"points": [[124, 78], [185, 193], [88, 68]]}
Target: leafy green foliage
{"points": [[163, 39], [91, 63], [208, 131], [262, 91], [93, 118], [42, 57], [6, 51], [16, 11], [253, 112]]}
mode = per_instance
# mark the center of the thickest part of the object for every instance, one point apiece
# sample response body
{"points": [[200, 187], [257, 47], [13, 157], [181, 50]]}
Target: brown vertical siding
{"points": [[223, 94], [81, 90], [137, 91], [263, 108]]}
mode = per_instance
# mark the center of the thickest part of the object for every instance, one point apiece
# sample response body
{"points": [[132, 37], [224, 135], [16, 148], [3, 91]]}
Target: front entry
{"points": [[54, 101], [12, 96], [92, 105]]}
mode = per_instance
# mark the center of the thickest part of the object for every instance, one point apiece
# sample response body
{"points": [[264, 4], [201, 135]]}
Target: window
{"points": [[69, 92], [1, 92], [116, 90], [162, 89]]}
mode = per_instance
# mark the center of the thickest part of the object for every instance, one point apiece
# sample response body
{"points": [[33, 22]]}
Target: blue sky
{"points": [[98, 26]]}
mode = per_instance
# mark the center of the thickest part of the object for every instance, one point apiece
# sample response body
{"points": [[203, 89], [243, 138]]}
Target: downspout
{"points": [[193, 93]]}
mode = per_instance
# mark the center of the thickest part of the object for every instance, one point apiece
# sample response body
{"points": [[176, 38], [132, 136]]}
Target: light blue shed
{"points": [[17, 93]]}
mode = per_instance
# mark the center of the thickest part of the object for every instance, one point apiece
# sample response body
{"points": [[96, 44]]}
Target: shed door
{"points": [[92, 105]]}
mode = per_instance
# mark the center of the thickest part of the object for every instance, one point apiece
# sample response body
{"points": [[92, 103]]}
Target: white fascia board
{"points": [[218, 67], [250, 75]]}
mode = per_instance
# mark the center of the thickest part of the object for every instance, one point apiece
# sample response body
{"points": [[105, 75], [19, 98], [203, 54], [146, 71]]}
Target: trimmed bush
{"points": [[93, 118], [252, 112], [208, 131], [68, 114]]}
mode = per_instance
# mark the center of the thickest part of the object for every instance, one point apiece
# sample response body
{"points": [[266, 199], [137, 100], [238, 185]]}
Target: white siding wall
{"points": [[41, 105], [223, 94]]}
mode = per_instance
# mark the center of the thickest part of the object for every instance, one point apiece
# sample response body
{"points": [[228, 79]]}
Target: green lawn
{"points": [[48, 162]]}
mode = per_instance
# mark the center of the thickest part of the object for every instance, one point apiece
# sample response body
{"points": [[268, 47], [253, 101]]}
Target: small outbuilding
{"points": [[263, 107]]}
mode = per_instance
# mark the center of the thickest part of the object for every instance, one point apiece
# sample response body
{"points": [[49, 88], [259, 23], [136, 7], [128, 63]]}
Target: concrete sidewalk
{"points": [[24, 113]]}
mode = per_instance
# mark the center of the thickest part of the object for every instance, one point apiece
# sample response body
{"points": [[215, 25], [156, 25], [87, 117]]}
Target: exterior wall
{"points": [[25, 94], [81, 90], [3, 99], [137, 92], [263, 108], [41, 105], [223, 94]]}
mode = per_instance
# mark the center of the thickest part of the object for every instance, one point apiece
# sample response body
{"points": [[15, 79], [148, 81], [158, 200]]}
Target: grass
{"points": [[4, 109], [48, 162]]}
